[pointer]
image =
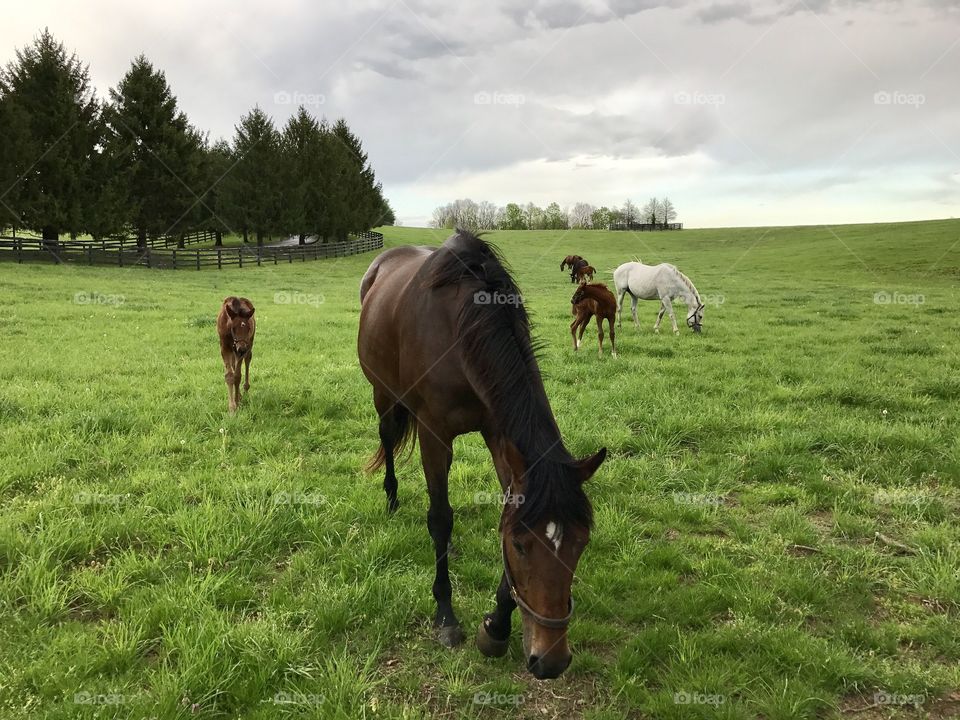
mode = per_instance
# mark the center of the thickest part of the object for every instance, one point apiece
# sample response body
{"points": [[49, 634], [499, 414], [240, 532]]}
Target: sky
{"points": [[743, 114]]}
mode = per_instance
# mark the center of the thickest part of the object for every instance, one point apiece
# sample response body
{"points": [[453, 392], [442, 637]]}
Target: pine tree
{"points": [[387, 216], [156, 152], [14, 129], [302, 175], [53, 111], [217, 165], [252, 188], [363, 204]]}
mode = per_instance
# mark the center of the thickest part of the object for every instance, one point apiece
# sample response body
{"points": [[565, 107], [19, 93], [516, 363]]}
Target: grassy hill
{"points": [[775, 536]]}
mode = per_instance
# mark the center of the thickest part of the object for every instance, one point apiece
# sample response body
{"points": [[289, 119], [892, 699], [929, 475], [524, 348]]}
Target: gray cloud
{"points": [[714, 102]]}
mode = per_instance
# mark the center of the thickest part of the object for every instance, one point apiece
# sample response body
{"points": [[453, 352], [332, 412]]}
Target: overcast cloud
{"points": [[815, 111]]}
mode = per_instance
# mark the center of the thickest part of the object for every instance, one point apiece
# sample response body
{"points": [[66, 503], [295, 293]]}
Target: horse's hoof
{"points": [[450, 635], [489, 646], [392, 506]]}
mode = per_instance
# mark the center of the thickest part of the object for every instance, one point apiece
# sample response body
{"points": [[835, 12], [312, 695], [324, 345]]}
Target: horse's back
{"points": [[399, 263]]}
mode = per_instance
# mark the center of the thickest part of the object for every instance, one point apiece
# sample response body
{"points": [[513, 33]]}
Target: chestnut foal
{"points": [[584, 273], [236, 327], [589, 300]]}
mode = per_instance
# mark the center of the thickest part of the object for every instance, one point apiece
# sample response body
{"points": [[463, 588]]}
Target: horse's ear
{"points": [[589, 465], [228, 304]]}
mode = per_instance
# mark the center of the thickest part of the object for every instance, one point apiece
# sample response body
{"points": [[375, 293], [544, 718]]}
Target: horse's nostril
{"points": [[532, 662]]}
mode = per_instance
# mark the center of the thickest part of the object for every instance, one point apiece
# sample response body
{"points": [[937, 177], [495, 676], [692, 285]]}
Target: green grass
{"points": [[167, 560]]}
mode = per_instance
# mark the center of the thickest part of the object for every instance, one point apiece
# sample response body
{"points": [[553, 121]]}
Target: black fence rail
{"points": [[130, 255], [196, 237], [645, 227]]}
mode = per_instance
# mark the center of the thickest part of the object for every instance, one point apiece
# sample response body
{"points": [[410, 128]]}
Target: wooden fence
{"points": [[122, 242], [646, 227], [128, 254]]}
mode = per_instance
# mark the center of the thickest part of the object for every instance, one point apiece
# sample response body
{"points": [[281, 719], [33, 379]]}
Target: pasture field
{"points": [[776, 526]]}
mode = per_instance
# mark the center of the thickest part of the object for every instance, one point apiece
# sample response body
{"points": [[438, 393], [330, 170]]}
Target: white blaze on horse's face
{"points": [[555, 534]]}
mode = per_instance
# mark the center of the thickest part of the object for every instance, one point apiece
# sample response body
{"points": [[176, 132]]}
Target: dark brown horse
{"points": [[445, 342], [593, 300], [236, 327], [574, 262]]}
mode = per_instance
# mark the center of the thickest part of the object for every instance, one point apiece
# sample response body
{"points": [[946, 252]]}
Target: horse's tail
{"points": [[404, 425]]}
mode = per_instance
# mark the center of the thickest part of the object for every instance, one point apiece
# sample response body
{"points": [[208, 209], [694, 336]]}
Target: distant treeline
{"points": [[486, 216], [134, 165]]}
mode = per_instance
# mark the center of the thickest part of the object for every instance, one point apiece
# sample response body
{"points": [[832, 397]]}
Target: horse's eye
{"points": [[519, 548]]}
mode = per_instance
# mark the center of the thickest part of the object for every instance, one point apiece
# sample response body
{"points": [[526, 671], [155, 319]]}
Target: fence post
{"points": [[240, 257], [174, 259], [90, 254], [198, 259], [259, 255], [219, 259]]}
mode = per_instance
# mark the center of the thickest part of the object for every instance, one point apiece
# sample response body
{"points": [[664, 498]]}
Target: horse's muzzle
{"points": [[240, 351]]}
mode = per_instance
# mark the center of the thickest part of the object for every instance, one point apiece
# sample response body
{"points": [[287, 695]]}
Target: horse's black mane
{"points": [[501, 356]]}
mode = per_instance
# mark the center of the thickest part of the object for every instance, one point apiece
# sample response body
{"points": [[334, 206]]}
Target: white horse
{"points": [[661, 282]]}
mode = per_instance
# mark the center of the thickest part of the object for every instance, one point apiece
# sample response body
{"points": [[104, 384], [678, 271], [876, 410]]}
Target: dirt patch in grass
{"points": [[568, 697], [881, 706]]}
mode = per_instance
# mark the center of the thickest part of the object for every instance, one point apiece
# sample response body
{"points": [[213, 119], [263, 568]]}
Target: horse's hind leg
{"points": [[613, 342], [620, 295], [437, 456], [583, 326], [393, 421], [600, 335], [633, 310]]}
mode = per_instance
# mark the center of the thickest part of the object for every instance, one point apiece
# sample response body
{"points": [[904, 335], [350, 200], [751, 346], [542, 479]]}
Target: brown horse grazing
{"points": [[593, 300], [574, 262], [445, 342], [236, 327], [584, 273]]}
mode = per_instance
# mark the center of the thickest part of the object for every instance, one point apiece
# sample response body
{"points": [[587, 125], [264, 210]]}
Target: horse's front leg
{"points": [[493, 638], [229, 378], [494, 634], [656, 325], [668, 304], [437, 456], [246, 366]]}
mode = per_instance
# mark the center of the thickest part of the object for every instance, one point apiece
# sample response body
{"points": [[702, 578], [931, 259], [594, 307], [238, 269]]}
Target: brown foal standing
{"points": [[236, 327], [589, 300], [584, 273]]}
